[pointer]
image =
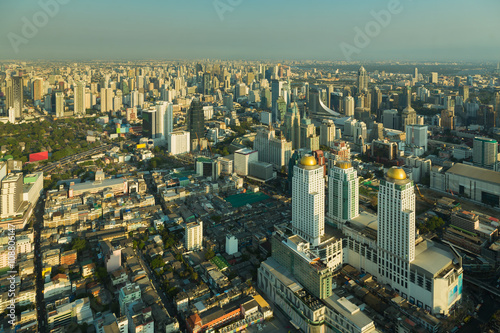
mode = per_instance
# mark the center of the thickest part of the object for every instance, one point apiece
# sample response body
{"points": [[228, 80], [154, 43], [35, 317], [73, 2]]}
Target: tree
{"points": [[102, 274], [209, 254], [157, 262], [78, 244]]}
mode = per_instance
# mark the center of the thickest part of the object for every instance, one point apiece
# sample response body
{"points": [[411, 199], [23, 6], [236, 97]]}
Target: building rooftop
{"points": [[473, 172], [431, 258], [348, 310]]}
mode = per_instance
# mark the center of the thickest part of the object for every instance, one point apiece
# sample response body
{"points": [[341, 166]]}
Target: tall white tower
{"points": [[80, 98], [308, 200], [343, 192], [349, 106], [396, 227], [59, 104]]}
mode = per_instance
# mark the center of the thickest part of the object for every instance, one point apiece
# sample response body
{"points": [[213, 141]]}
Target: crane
{"points": [[429, 201]]}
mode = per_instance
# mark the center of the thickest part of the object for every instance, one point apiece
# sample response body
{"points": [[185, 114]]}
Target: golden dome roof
{"points": [[344, 164], [308, 160], [396, 173]]}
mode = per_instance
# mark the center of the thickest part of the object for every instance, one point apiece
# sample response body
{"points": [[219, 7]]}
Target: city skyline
{"points": [[245, 30]]}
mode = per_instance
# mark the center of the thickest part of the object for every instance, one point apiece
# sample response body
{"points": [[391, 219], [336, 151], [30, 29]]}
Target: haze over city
{"points": [[135, 30]]}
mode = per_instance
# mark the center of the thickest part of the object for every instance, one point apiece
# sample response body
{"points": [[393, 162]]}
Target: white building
{"points": [[416, 139], [179, 142], [128, 294], [242, 158], [343, 192], [33, 187], [349, 106], [231, 244], [80, 98], [308, 204], [59, 104], [193, 240]]}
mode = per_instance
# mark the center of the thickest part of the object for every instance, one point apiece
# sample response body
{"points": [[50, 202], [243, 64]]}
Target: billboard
{"points": [[41, 156], [141, 146]]}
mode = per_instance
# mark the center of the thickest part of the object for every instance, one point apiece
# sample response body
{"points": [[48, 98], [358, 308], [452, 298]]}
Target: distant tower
{"points": [[484, 152], [408, 116], [396, 227], [308, 200], [415, 75], [80, 98], [349, 106], [59, 104], [292, 126], [343, 192], [16, 98], [362, 79]]}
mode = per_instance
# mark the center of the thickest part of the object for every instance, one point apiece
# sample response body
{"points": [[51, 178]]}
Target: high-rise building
{"points": [[363, 79], [434, 77], [280, 151], [416, 136], [343, 192], [396, 227], [37, 90], [349, 106], [308, 137], [193, 239], [415, 75], [308, 200], [15, 95], [292, 126], [11, 194], [242, 158], [106, 99], [179, 142], [464, 92], [327, 133], [149, 125], [376, 102], [276, 92], [485, 153], [409, 115], [196, 120], [206, 84], [59, 104], [80, 98]]}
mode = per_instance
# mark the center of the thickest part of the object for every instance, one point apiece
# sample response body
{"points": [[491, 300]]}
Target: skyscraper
{"points": [[15, 95], [206, 83], [11, 194], [409, 115], [362, 79], [196, 120], [149, 123], [485, 152], [464, 92], [349, 106], [292, 125], [59, 104], [343, 192], [308, 200], [396, 227], [37, 90], [415, 75], [327, 133], [80, 98], [434, 77], [193, 232], [276, 92], [106, 99]]}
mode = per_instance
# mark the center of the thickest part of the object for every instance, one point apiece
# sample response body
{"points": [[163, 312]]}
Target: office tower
{"points": [[196, 120], [292, 125], [228, 102], [396, 227], [280, 151], [376, 102], [276, 92], [261, 143], [470, 80], [80, 98], [179, 142], [343, 192], [456, 81], [59, 104], [391, 119], [485, 153], [37, 90], [434, 77], [11, 194], [409, 115], [106, 99], [448, 119], [307, 129], [15, 95], [149, 125], [362, 79], [349, 106], [464, 92], [359, 132], [193, 239], [169, 119], [416, 136], [242, 158], [415, 75], [206, 84], [327, 133], [308, 200]]}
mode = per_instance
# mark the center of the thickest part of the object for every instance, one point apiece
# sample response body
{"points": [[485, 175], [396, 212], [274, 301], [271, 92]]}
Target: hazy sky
{"points": [[444, 30]]}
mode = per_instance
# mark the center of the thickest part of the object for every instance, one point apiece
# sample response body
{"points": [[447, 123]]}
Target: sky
{"points": [[336, 30]]}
